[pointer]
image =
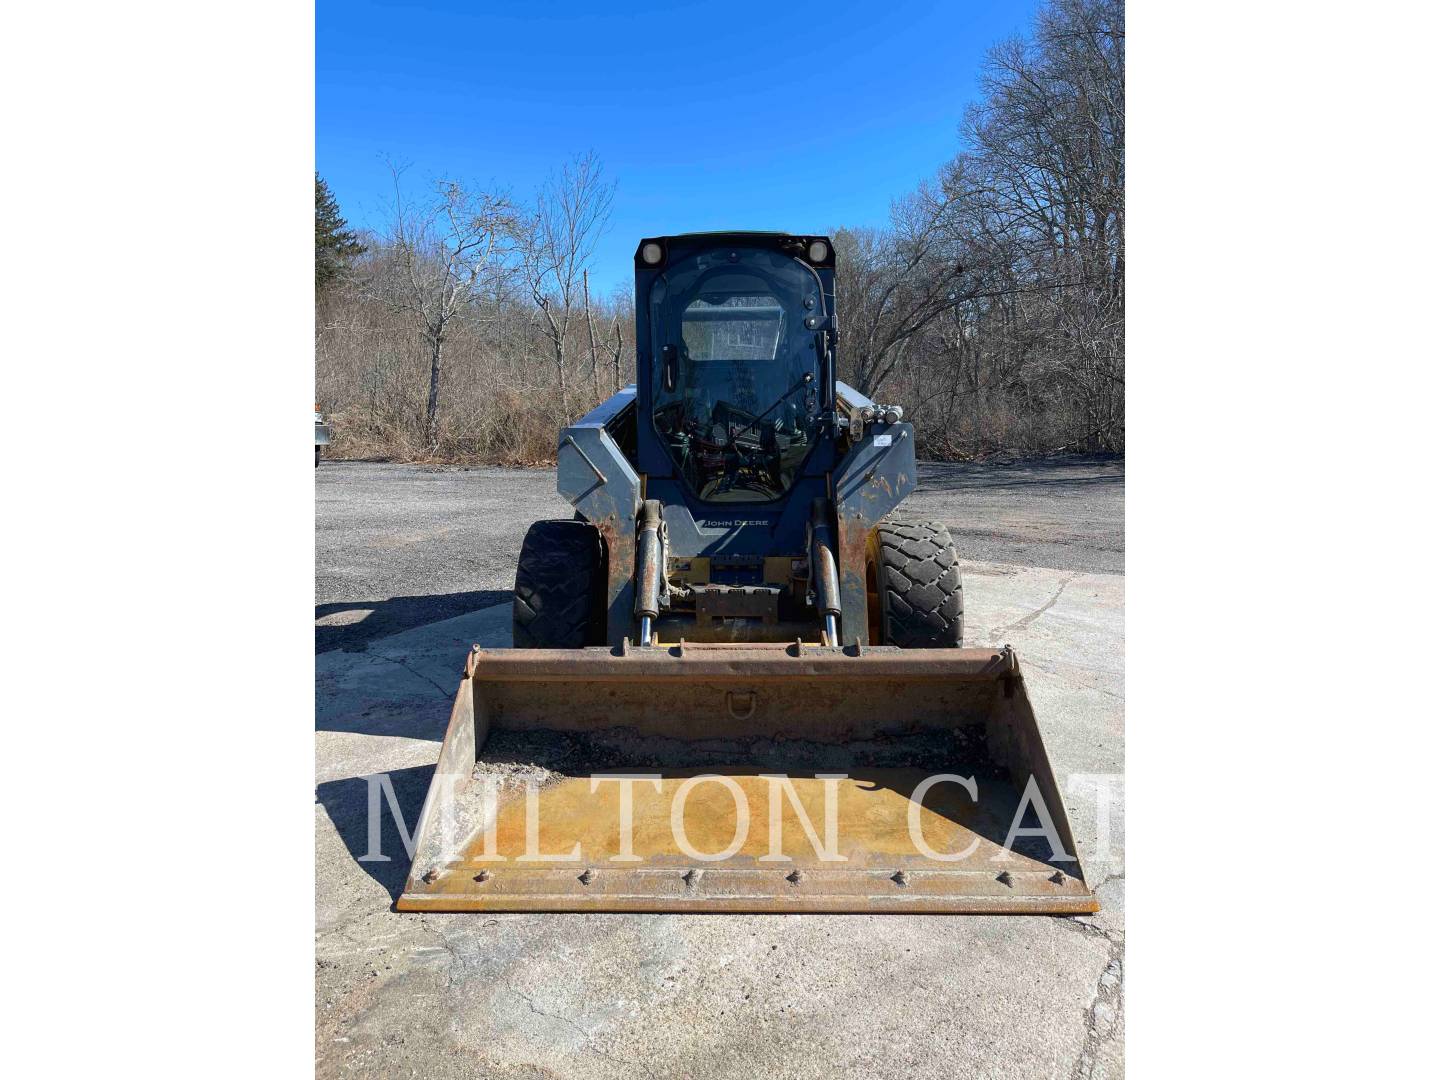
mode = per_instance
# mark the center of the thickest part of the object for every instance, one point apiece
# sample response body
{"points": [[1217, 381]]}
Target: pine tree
{"points": [[335, 243]]}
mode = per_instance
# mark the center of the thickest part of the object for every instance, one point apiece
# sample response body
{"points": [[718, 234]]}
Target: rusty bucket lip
{"points": [[769, 660], [858, 904], [857, 891]]}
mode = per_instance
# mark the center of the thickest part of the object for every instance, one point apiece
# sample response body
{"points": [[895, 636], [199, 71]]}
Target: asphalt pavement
{"points": [[399, 546]]}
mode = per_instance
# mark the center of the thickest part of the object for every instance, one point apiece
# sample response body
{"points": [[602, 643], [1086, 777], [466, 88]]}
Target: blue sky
{"points": [[726, 114]]}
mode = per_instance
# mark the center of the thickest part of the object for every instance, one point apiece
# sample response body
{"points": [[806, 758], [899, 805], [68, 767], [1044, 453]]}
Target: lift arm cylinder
{"points": [[649, 568], [825, 579]]}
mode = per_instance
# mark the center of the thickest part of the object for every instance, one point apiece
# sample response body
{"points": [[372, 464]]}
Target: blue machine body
{"points": [[737, 423]]}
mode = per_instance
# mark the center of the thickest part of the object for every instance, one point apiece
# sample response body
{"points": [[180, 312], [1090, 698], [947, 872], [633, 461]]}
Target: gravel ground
{"points": [[399, 546], [1062, 513]]}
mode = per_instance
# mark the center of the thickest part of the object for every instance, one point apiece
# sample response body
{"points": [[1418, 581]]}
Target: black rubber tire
{"points": [[559, 583], [917, 577]]}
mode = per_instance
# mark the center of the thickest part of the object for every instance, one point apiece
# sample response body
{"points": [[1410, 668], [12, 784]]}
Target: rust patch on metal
{"points": [[854, 536], [619, 576]]}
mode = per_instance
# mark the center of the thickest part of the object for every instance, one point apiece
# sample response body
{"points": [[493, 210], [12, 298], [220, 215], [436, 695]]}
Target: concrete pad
{"points": [[715, 995]]}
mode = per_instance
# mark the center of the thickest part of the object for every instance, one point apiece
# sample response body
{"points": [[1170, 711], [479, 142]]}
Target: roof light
{"points": [[652, 253], [819, 251]]}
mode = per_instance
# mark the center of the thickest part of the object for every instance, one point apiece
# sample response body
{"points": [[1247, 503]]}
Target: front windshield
{"points": [[743, 410]]}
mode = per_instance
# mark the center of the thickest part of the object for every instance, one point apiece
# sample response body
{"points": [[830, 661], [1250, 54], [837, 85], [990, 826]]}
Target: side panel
{"points": [[874, 478], [594, 476]]}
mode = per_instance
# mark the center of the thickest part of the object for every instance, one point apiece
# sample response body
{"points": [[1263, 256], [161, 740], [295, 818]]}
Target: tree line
{"points": [[992, 306]]}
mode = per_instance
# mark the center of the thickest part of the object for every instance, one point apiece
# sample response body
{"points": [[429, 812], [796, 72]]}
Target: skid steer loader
{"points": [[737, 681]]}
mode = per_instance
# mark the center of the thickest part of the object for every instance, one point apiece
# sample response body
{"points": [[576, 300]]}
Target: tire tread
{"points": [[556, 582], [922, 598]]}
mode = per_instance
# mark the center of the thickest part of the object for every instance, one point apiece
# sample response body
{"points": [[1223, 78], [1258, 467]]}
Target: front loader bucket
{"points": [[744, 778]]}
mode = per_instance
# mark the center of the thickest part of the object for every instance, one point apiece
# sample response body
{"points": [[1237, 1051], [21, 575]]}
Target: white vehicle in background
{"points": [[322, 434]]}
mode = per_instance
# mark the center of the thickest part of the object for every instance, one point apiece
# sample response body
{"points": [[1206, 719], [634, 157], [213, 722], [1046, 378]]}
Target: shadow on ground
{"points": [[348, 804], [350, 625]]}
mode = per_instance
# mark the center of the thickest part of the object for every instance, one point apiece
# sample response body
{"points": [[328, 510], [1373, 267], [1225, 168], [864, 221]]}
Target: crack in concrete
{"points": [[589, 1039], [1107, 1001], [1021, 624], [1077, 924], [446, 694], [452, 961], [1107, 1007]]}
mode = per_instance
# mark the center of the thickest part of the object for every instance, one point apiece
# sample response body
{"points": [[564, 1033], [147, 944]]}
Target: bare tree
{"points": [[1026, 346], [572, 210], [590, 330], [892, 285], [439, 258], [1044, 178]]}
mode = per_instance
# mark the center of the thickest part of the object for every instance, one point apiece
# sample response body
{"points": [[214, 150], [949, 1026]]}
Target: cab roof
{"points": [[791, 243]]}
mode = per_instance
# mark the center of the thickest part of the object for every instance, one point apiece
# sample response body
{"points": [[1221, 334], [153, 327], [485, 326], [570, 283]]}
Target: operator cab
{"points": [[739, 373]]}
